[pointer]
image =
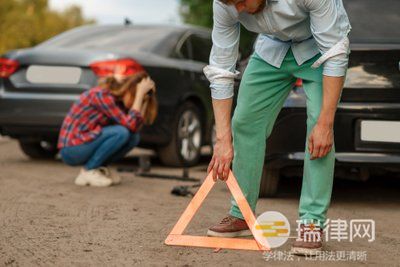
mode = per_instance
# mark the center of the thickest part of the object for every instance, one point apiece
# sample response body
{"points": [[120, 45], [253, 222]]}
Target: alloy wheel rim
{"points": [[189, 135]]}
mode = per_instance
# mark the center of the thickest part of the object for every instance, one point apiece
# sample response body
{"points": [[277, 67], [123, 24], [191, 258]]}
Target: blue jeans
{"points": [[111, 145]]}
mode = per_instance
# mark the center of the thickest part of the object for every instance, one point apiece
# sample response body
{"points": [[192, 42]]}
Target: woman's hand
{"points": [[145, 86], [144, 106]]}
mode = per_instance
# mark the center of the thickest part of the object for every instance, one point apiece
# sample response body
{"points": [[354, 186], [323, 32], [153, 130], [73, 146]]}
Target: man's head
{"points": [[248, 6]]}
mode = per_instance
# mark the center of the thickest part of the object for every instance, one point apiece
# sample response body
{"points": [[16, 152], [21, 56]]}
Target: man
{"points": [[304, 39]]}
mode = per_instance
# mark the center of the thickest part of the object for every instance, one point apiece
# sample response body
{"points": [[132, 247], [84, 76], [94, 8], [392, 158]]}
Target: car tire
{"points": [[269, 182], [174, 154], [38, 149]]}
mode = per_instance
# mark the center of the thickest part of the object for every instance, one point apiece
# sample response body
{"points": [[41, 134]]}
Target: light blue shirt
{"points": [[308, 27]]}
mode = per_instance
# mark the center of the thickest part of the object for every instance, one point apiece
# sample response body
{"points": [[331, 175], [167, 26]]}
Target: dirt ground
{"points": [[48, 221]]}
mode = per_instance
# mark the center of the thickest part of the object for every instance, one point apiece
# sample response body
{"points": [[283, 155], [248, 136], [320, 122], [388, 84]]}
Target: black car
{"points": [[367, 124], [38, 85]]}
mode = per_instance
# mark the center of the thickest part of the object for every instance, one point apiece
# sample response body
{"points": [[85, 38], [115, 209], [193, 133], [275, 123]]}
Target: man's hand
{"points": [[320, 140], [221, 161]]}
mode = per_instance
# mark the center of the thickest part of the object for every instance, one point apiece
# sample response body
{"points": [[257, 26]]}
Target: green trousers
{"points": [[262, 93]]}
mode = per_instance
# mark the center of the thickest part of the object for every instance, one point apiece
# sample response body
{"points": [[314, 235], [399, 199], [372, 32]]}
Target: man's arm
{"points": [[329, 26], [221, 73], [321, 138], [223, 150]]}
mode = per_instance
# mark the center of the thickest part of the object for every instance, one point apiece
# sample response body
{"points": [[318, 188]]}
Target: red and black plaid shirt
{"points": [[95, 109]]}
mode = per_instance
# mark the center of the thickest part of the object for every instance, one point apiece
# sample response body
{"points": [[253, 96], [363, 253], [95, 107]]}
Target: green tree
{"points": [[199, 12], [25, 23]]}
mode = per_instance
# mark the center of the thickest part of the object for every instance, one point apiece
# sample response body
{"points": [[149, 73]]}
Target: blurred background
{"points": [[25, 23]]}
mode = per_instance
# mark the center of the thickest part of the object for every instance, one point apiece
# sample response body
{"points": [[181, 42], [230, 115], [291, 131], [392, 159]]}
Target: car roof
{"points": [[161, 28], [141, 37]]}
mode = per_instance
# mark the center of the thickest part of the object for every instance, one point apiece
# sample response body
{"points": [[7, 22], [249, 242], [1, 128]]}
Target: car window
{"points": [[186, 49], [373, 69], [201, 48]]}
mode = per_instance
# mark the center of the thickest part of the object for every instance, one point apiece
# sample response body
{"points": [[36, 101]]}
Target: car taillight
{"points": [[7, 67], [123, 67], [299, 83]]}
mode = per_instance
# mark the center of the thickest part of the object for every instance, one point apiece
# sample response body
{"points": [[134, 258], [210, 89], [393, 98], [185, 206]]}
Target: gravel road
{"points": [[48, 221]]}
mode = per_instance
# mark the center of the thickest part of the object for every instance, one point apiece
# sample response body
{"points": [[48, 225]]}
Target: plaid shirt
{"points": [[95, 109]]}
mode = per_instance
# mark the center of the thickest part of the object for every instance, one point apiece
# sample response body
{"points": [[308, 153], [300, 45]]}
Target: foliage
{"points": [[25, 23]]}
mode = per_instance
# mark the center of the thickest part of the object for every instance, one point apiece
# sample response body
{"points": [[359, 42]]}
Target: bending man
{"points": [[304, 39]]}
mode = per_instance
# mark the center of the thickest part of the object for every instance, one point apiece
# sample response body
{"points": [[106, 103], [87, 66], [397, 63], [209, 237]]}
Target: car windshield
{"points": [[120, 38]]}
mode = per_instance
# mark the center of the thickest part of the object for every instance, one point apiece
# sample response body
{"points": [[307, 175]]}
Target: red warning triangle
{"points": [[177, 238]]}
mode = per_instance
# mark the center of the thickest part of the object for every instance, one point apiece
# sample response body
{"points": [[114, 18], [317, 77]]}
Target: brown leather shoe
{"points": [[230, 227], [310, 241]]}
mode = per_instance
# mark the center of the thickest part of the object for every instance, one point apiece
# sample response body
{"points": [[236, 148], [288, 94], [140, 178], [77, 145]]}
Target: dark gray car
{"points": [[38, 85]]}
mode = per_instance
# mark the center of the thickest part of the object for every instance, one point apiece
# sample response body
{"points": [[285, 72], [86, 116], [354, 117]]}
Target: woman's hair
{"points": [[227, 2], [118, 89]]}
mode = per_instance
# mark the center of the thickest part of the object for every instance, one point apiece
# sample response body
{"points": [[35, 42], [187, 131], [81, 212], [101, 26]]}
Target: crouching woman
{"points": [[104, 124]]}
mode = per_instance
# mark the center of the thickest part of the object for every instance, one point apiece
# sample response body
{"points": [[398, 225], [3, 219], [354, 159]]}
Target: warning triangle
{"points": [[177, 238]]}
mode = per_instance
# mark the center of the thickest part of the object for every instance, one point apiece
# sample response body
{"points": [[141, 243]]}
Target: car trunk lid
{"points": [[55, 71]]}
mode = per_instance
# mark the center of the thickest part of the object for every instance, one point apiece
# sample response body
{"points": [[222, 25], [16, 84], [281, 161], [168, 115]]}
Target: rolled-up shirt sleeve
{"points": [[330, 26], [224, 53]]}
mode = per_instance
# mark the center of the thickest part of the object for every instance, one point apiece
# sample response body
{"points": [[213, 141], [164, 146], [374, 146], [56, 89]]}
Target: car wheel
{"points": [[269, 182], [185, 145], [38, 149]]}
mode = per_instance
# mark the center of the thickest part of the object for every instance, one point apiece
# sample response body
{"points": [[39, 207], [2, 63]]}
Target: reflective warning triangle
{"points": [[177, 238]]}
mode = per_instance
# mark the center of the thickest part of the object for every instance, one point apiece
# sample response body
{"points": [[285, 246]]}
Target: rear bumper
{"points": [[33, 115], [289, 133], [343, 158], [286, 145], [38, 110], [40, 116], [150, 137]]}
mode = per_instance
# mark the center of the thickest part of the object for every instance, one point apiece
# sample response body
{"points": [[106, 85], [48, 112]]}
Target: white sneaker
{"points": [[113, 175], [95, 177]]}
